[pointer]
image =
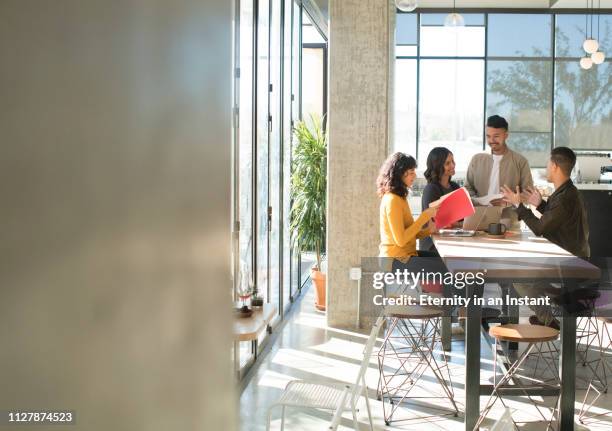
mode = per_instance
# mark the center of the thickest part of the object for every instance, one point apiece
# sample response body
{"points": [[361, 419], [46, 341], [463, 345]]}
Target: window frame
{"points": [[486, 12]]}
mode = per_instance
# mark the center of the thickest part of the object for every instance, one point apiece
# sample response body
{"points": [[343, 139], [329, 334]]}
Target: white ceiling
{"points": [[512, 4]]}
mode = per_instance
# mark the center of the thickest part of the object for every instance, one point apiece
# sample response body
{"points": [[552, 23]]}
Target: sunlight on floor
{"points": [[308, 349]]}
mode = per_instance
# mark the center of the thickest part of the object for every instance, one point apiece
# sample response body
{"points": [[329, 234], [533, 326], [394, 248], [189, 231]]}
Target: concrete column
{"points": [[360, 82]]}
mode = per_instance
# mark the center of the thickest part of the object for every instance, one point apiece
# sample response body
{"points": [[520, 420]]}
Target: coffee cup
{"points": [[497, 229]]}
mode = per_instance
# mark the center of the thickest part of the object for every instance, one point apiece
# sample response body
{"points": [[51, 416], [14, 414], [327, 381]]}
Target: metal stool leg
{"points": [[599, 374], [408, 349], [511, 374]]}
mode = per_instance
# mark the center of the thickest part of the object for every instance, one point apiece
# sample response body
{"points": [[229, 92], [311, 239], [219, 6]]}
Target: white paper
{"points": [[486, 200]]}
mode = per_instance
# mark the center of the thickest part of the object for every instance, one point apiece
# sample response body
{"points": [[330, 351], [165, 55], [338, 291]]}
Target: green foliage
{"points": [[308, 187]]}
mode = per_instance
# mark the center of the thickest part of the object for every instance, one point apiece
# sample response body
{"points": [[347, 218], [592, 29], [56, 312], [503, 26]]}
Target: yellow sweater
{"points": [[398, 229]]}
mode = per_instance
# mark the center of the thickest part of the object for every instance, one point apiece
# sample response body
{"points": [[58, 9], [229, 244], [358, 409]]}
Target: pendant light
{"points": [[586, 63], [590, 45], [406, 5], [598, 57], [454, 19]]}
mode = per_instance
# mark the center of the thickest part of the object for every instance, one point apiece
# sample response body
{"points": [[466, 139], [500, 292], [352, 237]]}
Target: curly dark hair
{"points": [[391, 173], [435, 164]]}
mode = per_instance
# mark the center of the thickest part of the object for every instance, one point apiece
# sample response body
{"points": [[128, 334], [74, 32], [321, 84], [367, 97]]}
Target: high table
{"points": [[249, 329], [518, 257]]}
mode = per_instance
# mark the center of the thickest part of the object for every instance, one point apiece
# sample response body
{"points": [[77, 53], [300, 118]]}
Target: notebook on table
{"points": [[457, 232]]}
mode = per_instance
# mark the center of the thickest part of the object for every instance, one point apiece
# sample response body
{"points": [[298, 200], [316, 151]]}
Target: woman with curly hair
{"points": [[398, 229], [440, 169]]}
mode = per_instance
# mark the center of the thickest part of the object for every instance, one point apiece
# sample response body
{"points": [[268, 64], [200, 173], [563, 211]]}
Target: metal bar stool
{"points": [[601, 370], [536, 336], [408, 351]]}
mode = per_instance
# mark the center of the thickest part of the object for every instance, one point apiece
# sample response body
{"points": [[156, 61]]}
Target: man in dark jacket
{"points": [[564, 219]]}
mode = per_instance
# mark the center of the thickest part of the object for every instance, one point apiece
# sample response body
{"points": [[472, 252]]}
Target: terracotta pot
{"points": [[319, 281]]}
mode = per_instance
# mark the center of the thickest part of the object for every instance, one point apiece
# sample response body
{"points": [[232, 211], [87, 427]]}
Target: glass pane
{"points": [[245, 140], [312, 82], [406, 29], [286, 172], [452, 41], [405, 106], [438, 40], [262, 149], [275, 155], [534, 146], [521, 92], [570, 33], [405, 50], [310, 34], [297, 28], [295, 115], [583, 105], [451, 108], [519, 35]]}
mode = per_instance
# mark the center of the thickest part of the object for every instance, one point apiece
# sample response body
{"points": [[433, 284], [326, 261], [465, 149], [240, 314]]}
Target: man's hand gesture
{"points": [[511, 197], [532, 196]]}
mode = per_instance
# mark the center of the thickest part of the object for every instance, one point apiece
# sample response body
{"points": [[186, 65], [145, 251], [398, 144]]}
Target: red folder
{"points": [[453, 207]]}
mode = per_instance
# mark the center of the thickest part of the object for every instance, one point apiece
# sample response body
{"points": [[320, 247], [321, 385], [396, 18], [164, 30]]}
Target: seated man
{"points": [[563, 221]]}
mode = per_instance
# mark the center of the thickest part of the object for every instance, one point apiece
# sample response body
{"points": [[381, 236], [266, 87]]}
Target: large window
{"points": [[314, 67], [522, 66], [519, 80], [440, 41], [405, 100], [262, 145], [439, 85], [287, 119], [583, 98], [450, 101], [266, 89], [244, 188]]}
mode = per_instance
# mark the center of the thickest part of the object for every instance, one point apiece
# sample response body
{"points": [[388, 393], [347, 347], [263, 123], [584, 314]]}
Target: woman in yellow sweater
{"points": [[398, 229]]}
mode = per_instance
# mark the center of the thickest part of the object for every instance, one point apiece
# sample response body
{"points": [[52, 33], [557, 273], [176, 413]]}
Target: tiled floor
{"points": [[307, 349]]}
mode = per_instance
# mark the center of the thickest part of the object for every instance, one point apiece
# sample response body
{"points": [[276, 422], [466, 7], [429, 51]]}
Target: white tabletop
{"points": [[514, 244], [519, 255]]}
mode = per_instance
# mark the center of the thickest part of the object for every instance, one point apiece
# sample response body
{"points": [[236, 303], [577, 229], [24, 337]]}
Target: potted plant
{"points": [[256, 300], [308, 191]]}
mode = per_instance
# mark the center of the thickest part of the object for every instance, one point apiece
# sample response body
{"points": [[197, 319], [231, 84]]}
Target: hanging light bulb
{"points": [[598, 57], [590, 45], [406, 5], [454, 19], [586, 63]]}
